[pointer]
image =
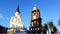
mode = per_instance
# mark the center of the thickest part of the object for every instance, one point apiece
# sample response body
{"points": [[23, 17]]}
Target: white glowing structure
{"points": [[16, 21]]}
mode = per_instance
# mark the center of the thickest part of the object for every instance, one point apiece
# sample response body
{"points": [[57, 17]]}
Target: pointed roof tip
{"points": [[18, 8], [34, 7]]}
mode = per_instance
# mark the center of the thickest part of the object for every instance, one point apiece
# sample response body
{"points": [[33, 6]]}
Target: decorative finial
{"points": [[34, 7]]}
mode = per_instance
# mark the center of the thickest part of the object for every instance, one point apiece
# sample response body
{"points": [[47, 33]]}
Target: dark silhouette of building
{"points": [[45, 29], [52, 28], [3, 29]]}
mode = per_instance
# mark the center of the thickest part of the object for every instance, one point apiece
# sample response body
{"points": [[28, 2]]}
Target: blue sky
{"points": [[49, 11]]}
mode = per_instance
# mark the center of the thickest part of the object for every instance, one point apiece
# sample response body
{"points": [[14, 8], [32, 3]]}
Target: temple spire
{"points": [[18, 9]]}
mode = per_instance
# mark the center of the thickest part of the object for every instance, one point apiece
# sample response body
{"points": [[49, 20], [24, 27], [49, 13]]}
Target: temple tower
{"points": [[16, 23], [35, 20], [16, 20]]}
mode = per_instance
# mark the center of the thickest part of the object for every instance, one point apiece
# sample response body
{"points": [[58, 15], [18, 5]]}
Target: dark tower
{"points": [[35, 21]]}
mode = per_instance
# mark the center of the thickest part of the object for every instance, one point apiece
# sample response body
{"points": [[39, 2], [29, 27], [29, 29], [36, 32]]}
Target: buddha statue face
{"points": [[16, 13]]}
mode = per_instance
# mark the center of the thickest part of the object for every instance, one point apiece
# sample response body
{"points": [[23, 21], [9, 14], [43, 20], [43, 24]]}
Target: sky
{"points": [[49, 11]]}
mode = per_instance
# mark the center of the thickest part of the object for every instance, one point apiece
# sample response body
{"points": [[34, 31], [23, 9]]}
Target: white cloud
{"points": [[1, 16]]}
